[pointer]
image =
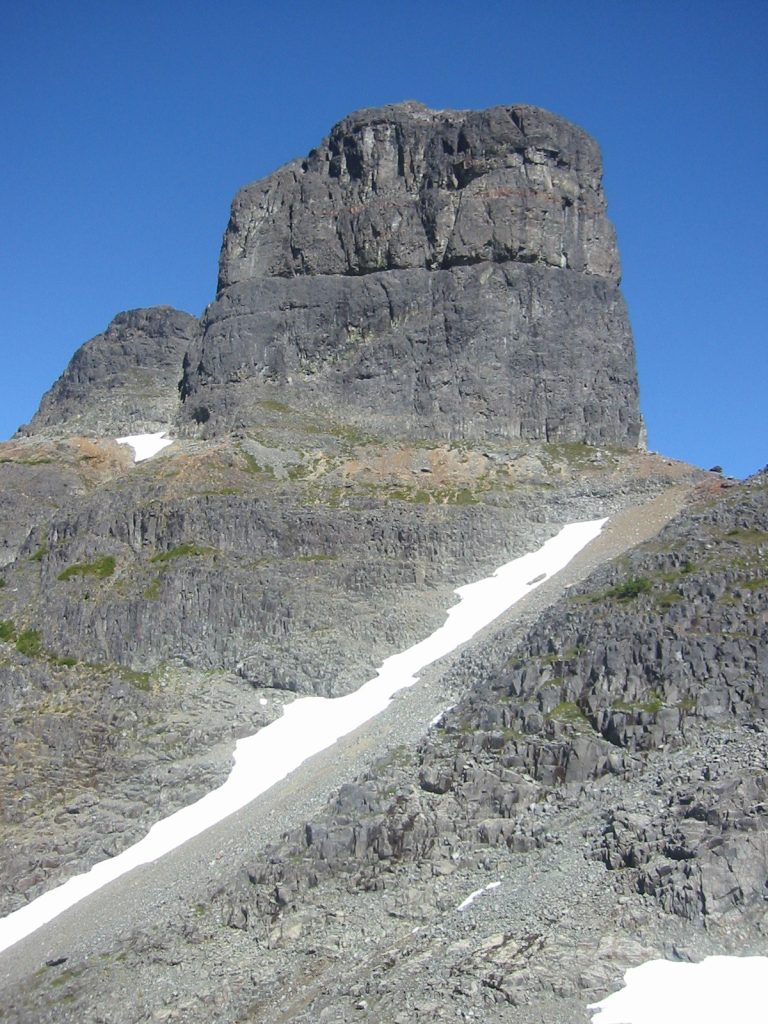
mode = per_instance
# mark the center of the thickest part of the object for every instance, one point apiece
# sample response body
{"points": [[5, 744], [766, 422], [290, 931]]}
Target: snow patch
{"points": [[438, 718], [145, 445], [478, 892], [720, 988], [312, 724]]}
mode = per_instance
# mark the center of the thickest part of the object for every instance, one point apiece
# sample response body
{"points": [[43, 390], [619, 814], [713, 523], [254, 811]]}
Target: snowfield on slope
{"points": [[719, 989], [312, 724]]}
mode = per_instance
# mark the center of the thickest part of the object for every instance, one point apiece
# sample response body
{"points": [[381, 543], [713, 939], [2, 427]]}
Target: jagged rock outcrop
{"points": [[405, 187], [507, 864], [124, 381], [426, 273], [704, 856], [673, 803], [603, 777], [422, 273], [296, 563]]}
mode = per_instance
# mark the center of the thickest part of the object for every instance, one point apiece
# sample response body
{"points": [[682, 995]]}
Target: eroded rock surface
{"points": [[428, 273], [586, 805], [124, 381], [424, 274], [405, 187], [153, 606], [597, 794]]}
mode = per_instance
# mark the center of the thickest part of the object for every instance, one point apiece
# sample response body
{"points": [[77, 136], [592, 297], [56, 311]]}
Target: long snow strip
{"points": [[312, 724]]}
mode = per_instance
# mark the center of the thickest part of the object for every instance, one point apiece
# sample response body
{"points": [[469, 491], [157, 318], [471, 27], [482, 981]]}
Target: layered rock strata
{"points": [[425, 273], [152, 608], [443, 273], [526, 852], [658, 660]]}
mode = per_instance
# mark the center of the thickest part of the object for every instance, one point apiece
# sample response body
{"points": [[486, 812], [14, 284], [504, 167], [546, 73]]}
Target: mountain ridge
{"points": [[445, 274], [347, 448]]}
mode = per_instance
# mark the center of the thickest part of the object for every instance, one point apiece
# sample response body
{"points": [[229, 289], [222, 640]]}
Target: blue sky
{"points": [[127, 130]]}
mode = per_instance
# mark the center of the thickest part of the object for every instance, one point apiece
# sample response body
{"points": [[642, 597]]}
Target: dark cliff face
{"points": [[404, 187], [122, 381], [447, 273], [424, 274]]}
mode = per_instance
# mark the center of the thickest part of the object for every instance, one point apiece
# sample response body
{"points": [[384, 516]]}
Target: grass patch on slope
{"points": [[181, 551], [101, 568], [28, 642]]}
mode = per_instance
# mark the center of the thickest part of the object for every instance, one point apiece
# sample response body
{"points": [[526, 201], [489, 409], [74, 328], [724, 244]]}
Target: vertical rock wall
{"points": [[424, 273]]}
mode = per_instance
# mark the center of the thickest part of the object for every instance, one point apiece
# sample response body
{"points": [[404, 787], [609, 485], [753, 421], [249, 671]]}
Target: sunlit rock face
{"points": [[404, 187], [425, 273], [125, 379]]}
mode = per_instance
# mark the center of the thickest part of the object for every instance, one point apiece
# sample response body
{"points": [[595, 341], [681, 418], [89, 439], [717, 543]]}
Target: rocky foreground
{"points": [[160, 611], [607, 769]]}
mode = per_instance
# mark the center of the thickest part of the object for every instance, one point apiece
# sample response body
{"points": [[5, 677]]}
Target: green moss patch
{"points": [[630, 589], [255, 468], [62, 662], [101, 568], [653, 703], [41, 461], [758, 584], [748, 536], [141, 680], [181, 551], [28, 642], [568, 711]]}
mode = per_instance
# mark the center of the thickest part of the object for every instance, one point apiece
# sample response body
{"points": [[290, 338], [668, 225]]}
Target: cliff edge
{"points": [[429, 273], [422, 273]]}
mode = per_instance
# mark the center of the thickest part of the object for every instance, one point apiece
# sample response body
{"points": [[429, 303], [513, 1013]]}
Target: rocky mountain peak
{"points": [[403, 186], [580, 788], [125, 378], [420, 274], [425, 273]]}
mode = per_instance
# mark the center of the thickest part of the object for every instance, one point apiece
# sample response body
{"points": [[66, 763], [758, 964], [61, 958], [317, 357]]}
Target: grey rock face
{"points": [[602, 771], [601, 775], [256, 581], [428, 272], [154, 604], [705, 856], [122, 381], [523, 769], [404, 187], [423, 273]]}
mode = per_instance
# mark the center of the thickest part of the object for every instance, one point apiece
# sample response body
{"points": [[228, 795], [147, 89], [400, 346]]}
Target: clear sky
{"points": [[127, 129]]}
